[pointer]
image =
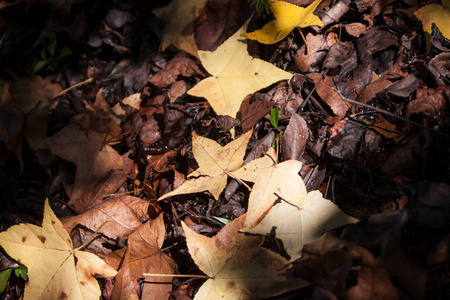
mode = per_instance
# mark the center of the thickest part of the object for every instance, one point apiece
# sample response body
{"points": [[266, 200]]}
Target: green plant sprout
{"points": [[20, 272], [274, 119], [260, 4], [50, 51]]}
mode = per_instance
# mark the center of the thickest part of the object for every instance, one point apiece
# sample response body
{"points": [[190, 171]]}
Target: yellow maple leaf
{"points": [[235, 75], [297, 226], [215, 162], [237, 266], [287, 17], [55, 269], [438, 14], [271, 179], [179, 31]]}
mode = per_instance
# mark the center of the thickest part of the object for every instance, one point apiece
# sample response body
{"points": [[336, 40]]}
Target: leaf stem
{"points": [[93, 236]]}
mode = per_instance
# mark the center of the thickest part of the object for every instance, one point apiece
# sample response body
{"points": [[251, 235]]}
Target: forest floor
{"points": [[103, 113]]}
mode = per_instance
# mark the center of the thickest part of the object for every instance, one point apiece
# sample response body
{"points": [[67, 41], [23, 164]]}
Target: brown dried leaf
{"points": [[179, 65], [293, 141], [144, 255], [94, 158], [334, 101], [251, 113], [124, 214], [427, 102]]}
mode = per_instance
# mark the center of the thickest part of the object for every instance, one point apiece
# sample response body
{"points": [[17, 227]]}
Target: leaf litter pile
{"points": [[209, 149]]}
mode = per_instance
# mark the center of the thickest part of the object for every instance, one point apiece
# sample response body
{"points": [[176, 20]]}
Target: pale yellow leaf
{"points": [[271, 180], [288, 16], [299, 226], [235, 74], [238, 267], [438, 14], [55, 269], [215, 162]]}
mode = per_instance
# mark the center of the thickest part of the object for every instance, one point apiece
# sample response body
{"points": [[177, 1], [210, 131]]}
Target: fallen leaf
{"points": [[238, 267], [55, 269], [435, 13], [235, 75], [428, 102], [179, 30], [251, 113], [215, 163], [317, 46], [144, 255], [223, 18], [324, 89], [124, 213], [319, 266], [271, 180], [179, 65], [297, 226], [92, 155], [293, 141], [287, 17]]}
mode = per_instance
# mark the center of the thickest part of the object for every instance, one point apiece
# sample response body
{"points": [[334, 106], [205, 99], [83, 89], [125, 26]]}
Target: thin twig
{"points": [[74, 86], [388, 113]]}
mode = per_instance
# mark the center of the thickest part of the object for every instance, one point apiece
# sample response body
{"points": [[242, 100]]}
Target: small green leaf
{"points": [[39, 65], [222, 220], [52, 47], [274, 117], [22, 271], [4, 277], [65, 51]]}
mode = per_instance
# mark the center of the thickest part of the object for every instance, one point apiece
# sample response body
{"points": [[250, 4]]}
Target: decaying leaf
{"points": [[143, 255], [271, 180], [235, 74], [438, 14], [288, 17], [299, 226], [238, 267], [55, 269], [92, 155], [215, 163], [179, 30]]}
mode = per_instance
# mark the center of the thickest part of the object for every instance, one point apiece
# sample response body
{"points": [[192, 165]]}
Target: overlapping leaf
{"points": [[55, 269], [215, 162], [287, 17], [438, 14], [297, 226], [271, 180], [179, 31], [235, 74], [238, 267]]}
